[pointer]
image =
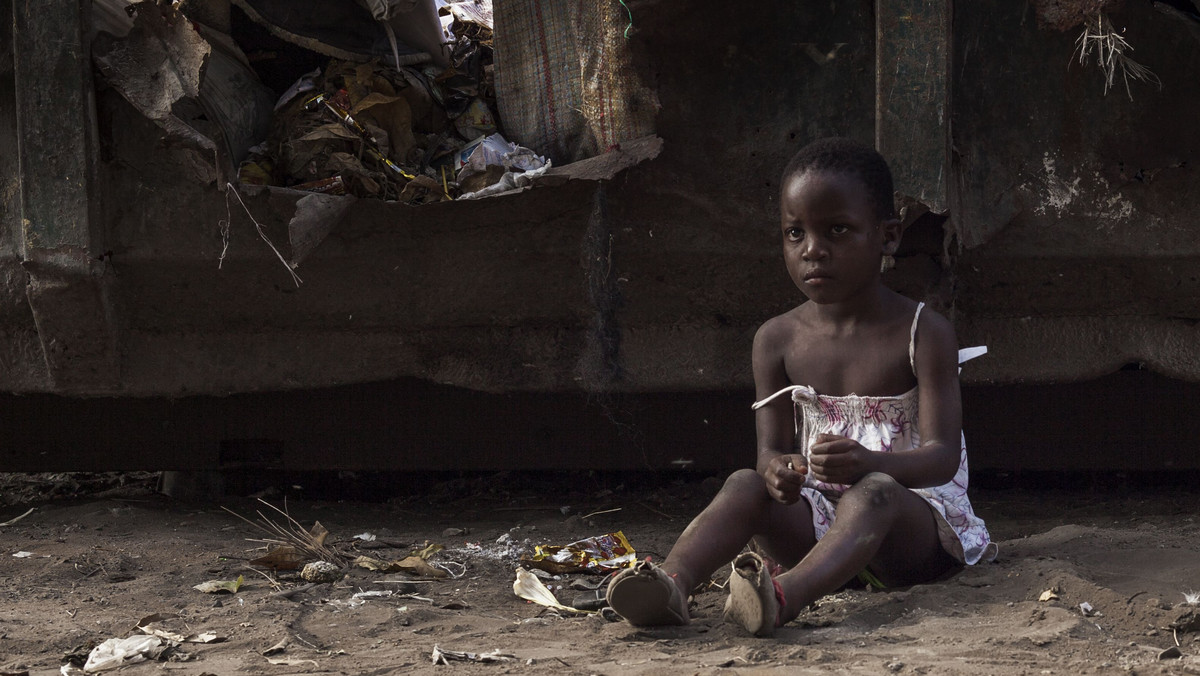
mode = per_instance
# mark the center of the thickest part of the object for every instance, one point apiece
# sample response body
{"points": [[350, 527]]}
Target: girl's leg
{"points": [[742, 510], [880, 523]]}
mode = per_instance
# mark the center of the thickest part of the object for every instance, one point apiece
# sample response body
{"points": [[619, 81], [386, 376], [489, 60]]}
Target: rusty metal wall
{"points": [[660, 289], [1068, 249], [1076, 209]]}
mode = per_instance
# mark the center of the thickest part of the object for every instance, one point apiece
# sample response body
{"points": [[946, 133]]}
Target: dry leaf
{"points": [[1048, 595], [429, 551], [285, 557], [214, 586], [318, 533], [413, 565]]}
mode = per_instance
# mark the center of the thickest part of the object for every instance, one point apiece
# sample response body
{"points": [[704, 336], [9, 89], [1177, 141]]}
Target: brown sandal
{"points": [[647, 597], [753, 601]]}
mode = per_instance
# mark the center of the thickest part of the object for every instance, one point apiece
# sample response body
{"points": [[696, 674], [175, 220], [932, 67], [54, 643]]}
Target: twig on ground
{"points": [[662, 514], [306, 642], [289, 593], [292, 534], [270, 580]]}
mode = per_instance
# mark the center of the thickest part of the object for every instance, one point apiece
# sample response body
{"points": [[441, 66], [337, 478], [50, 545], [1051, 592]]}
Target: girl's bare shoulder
{"points": [[780, 331], [935, 324], [936, 341], [781, 328]]}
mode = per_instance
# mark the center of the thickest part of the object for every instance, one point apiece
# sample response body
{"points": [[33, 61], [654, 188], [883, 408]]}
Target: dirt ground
{"points": [[105, 551]]}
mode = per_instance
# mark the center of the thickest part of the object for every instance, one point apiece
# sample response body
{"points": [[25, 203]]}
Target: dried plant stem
{"points": [[272, 581], [292, 534], [1101, 38]]}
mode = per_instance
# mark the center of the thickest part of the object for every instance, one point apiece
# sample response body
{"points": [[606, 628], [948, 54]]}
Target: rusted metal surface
{"points": [[58, 243], [1071, 226], [1076, 208], [912, 95], [1131, 421], [500, 295]]}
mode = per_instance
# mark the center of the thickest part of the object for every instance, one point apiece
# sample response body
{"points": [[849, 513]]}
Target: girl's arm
{"points": [[774, 422], [936, 460]]}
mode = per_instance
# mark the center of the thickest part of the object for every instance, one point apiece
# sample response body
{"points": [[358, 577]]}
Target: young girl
{"points": [[850, 479]]}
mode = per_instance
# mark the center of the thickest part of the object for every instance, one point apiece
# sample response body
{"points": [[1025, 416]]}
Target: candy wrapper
{"points": [[602, 554]]}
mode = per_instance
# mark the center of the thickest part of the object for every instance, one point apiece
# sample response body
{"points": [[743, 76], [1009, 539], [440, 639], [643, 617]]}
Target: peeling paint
{"points": [[1066, 195], [1057, 193]]}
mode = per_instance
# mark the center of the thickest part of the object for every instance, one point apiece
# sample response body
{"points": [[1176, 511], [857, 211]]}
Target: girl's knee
{"points": [[875, 490], [744, 481]]}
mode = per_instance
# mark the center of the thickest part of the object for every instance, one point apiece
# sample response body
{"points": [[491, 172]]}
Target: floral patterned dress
{"points": [[886, 425]]}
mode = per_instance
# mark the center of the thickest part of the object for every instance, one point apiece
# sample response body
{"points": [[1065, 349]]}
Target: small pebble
{"points": [[321, 571], [1172, 653]]}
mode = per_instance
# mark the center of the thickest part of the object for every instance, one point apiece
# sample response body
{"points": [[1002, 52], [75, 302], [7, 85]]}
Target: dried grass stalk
{"points": [[291, 533], [1101, 39]]}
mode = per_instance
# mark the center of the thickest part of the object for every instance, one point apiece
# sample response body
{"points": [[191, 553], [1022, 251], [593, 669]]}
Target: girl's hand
{"points": [[785, 476], [838, 460]]}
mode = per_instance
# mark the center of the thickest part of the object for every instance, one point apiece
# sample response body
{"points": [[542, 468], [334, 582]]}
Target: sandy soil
{"points": [[104, 555]]}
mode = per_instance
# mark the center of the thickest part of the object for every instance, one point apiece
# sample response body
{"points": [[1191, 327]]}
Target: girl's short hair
{"points": [[838, 154]]}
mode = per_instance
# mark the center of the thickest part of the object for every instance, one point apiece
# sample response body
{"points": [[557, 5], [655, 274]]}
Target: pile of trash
{"points": [[403, 125], [413, 134], [370, 130]]}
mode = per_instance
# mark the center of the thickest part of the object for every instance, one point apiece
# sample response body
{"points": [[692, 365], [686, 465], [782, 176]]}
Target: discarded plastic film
{"points": [[602, 554], [118, 652]]}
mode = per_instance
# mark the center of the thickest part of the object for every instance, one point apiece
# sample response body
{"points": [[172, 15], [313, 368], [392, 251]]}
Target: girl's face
{"points": [[833, 239]]}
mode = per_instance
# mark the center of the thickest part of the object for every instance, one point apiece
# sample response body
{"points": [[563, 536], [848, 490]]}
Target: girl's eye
{"points": [[794, 234], [839, 229]]}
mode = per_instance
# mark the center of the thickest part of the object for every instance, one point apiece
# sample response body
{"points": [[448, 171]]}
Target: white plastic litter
{"points": [[118, 652]]}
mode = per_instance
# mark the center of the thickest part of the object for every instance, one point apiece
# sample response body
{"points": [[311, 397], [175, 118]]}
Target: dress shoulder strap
{"points": [[804, 390], [912, 339]]}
